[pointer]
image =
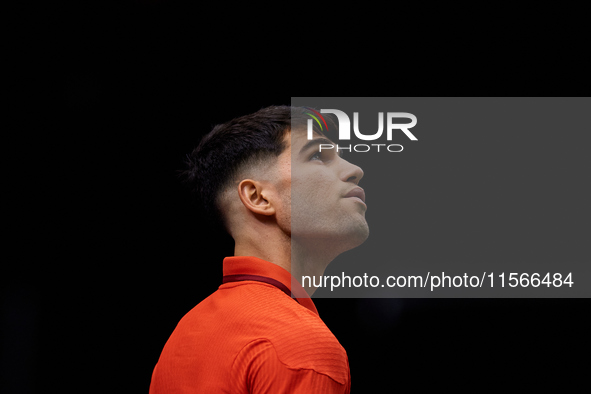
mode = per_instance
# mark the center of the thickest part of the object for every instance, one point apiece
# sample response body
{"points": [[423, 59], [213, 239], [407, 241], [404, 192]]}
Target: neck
{"points": [[297, 257], [273, 252], [310, 258]]}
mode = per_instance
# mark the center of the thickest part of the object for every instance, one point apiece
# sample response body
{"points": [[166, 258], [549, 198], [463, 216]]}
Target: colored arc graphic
{"points": [[316, 119]]}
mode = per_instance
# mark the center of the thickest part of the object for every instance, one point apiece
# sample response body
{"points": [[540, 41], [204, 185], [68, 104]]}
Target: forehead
{"points": [[297, 139], [299, 142]]}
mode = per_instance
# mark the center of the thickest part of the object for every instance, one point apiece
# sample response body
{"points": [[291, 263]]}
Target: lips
{"points": [[356, 192]]}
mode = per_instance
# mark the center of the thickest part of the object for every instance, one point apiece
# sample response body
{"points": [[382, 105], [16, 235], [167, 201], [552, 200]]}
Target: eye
{"points": [[326, 156], [316, 156]]}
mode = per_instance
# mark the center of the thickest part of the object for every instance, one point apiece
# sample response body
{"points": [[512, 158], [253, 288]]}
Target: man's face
{"points": [[327, 205]]}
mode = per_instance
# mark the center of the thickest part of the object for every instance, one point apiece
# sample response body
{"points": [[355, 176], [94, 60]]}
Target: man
{"points": [[291, 209]]}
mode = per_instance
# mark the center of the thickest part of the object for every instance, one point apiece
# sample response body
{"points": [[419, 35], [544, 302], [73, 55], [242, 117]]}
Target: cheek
{"points": [[284, 213], [311, 192], [284, 190]]}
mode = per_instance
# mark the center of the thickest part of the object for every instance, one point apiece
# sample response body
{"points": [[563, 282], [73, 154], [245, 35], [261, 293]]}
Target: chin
{"points": [[360, 234], [353, 237]]}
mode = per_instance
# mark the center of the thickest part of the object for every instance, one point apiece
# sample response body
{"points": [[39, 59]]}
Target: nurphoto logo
{"points": [[345, 129]]}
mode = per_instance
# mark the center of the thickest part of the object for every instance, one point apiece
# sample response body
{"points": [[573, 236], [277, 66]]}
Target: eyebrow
{"points": [[318, 141]]}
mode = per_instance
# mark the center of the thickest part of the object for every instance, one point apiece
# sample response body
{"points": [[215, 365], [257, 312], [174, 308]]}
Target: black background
{"points": [[110, 253]]}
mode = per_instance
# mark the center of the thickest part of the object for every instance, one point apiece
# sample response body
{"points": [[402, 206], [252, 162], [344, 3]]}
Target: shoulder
{"points": [[248, 331], [260, 367], [280, 326]]}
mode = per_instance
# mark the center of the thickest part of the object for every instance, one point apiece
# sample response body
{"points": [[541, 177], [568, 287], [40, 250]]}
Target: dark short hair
{"points": [[229, 146]]}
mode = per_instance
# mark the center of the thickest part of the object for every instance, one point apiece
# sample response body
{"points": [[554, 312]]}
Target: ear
{"points": [[252, 194]]}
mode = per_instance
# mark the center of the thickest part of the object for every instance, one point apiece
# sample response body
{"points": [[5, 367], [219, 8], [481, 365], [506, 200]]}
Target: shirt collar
{"points": [[249, 265]]}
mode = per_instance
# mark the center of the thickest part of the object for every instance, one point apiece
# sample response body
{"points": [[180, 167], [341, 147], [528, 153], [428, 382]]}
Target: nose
{"points": [[351, 172]]}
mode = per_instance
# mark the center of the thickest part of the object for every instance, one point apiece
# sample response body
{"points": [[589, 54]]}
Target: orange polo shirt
{"points": [[251, 336]]}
